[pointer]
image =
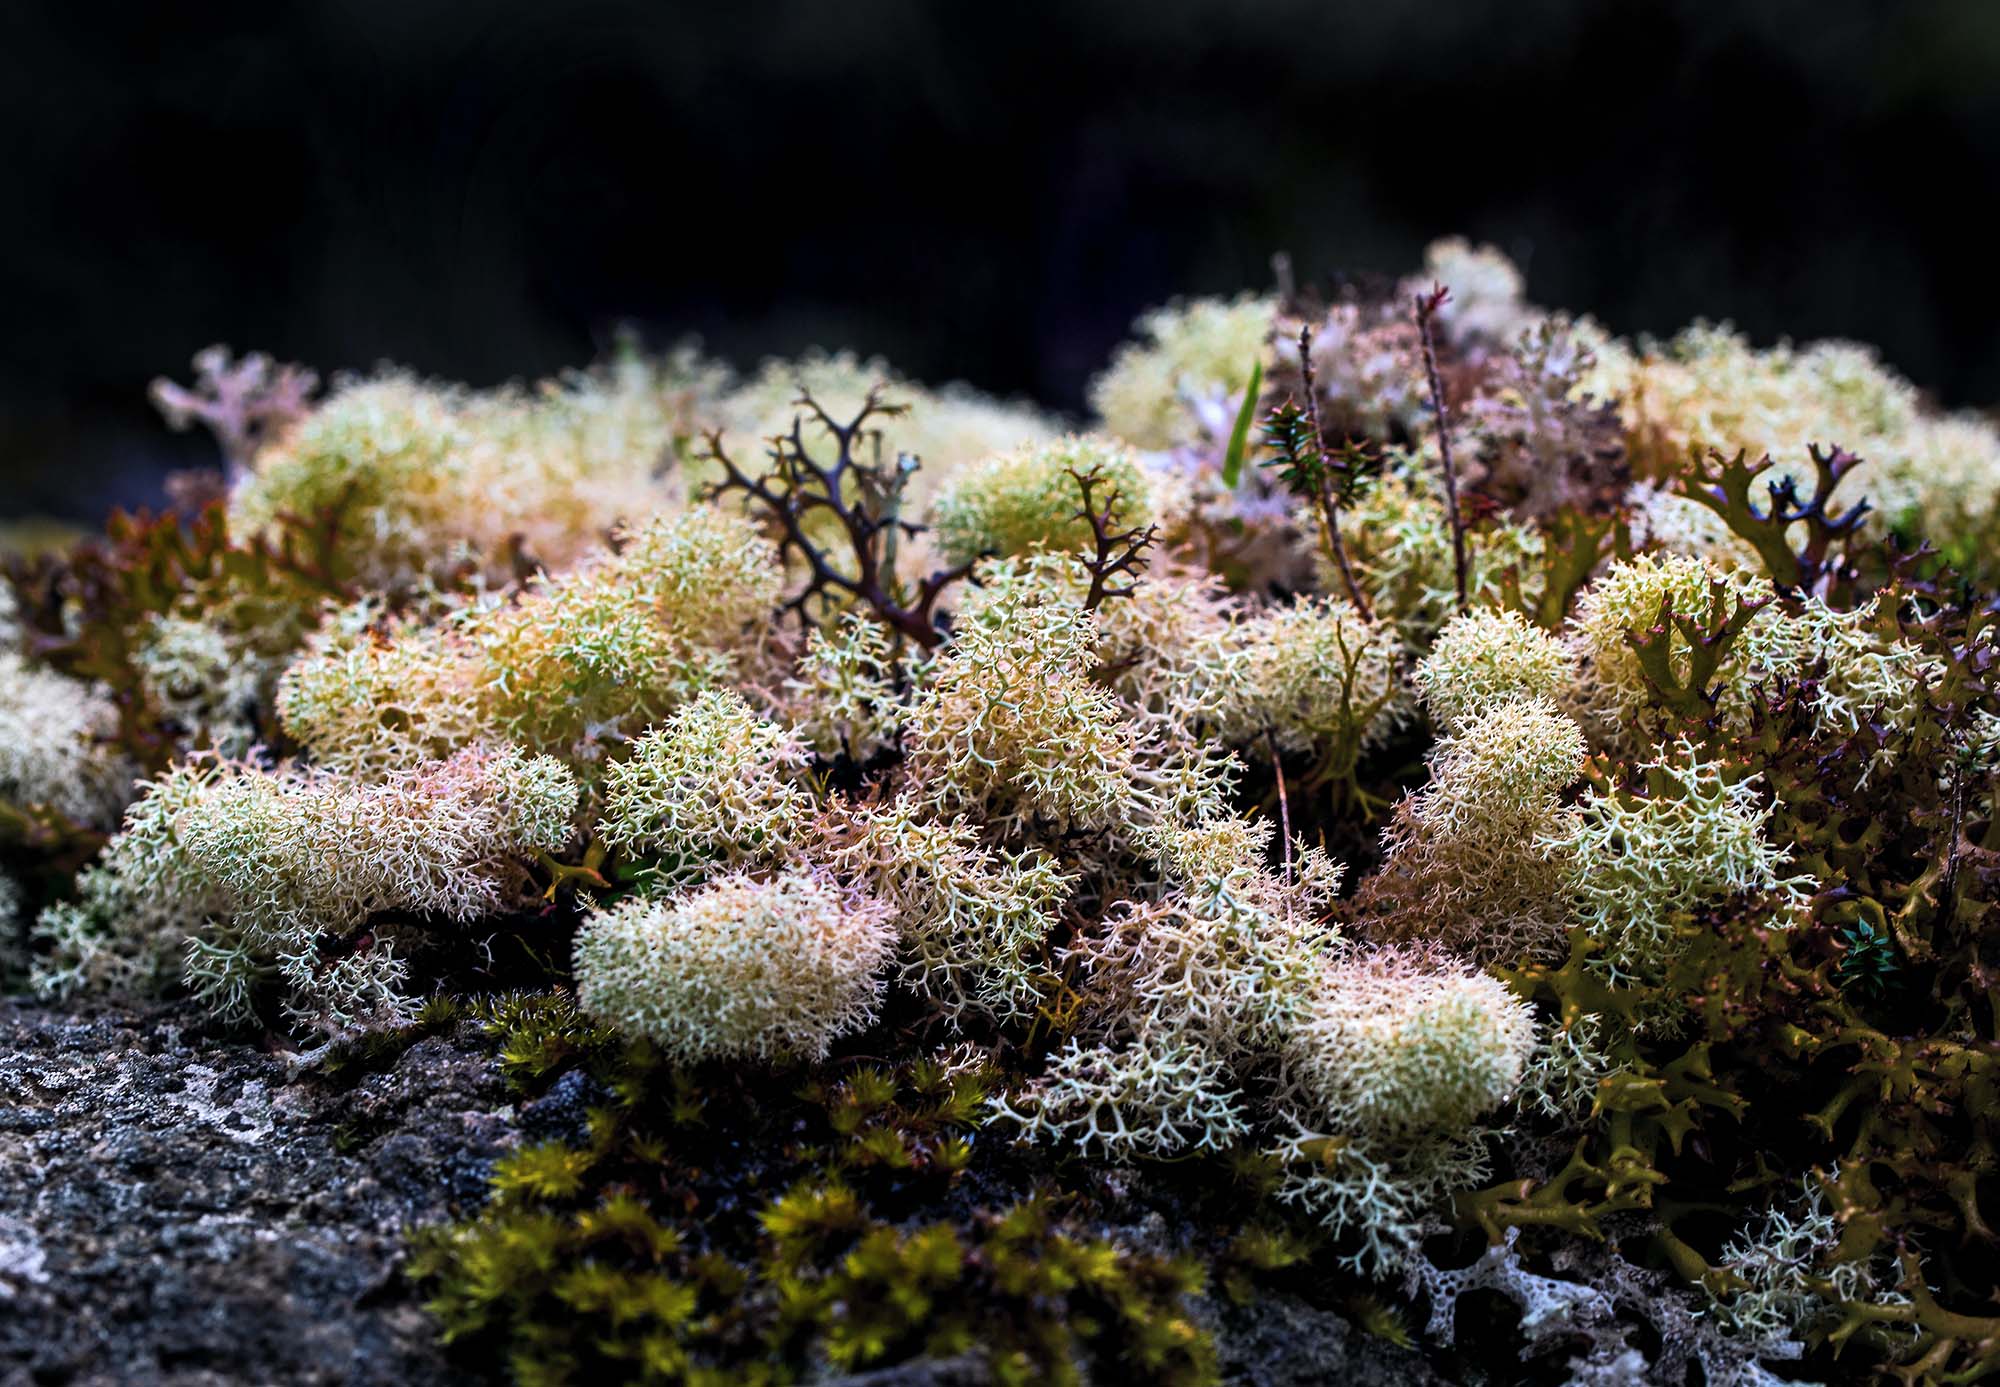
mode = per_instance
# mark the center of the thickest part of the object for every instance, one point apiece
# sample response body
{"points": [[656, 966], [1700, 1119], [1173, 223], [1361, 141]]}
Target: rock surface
{"points": [[187, 1211], [181, 1210]]}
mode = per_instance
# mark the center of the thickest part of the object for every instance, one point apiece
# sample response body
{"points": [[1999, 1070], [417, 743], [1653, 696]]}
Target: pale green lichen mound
{"points": [[52, 730], [740, 967], [1398, 1044], [1187, 351], [1029, 499], [1638, 861], [1010, 724], [565, 665], [970, 843], [709, 788], [1467, 862], [1487, 657]]}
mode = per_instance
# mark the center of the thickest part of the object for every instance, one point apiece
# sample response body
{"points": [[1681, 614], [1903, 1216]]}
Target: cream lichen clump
{"points": [[1010, 722], [53, 731], [1466, 862], [565, 664], [1487, 657], [739, 967], [973, 916], [707, 786], [198, 679], [418, 477], [1396, 1044], [1486, 303], [1708, 387], [843, 697], [1030, 498], [1448, 816], [1402, 549], [252, 868], [1637, 864]]}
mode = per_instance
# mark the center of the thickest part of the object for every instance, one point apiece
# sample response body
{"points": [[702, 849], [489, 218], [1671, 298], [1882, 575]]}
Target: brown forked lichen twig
{"points": [[864, 499], [1116, 551], [1328, 511], [1427, 307]]}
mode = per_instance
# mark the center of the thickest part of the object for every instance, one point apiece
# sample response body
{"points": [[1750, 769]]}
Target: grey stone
{"points": [[185, 1211]]}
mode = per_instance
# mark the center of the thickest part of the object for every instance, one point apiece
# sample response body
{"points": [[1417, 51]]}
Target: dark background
{"points": [[986, 191]]}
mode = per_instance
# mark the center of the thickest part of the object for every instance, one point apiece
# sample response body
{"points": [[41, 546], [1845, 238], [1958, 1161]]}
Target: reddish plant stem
{"points": [[1329, 513], [1427, 307]]}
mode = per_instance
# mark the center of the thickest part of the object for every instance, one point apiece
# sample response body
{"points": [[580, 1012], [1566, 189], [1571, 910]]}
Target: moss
{"points": [[695, 1240]]}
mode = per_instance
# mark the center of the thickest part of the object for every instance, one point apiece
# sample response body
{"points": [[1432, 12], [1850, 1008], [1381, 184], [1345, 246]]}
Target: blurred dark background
{"points": [[979, 191]]}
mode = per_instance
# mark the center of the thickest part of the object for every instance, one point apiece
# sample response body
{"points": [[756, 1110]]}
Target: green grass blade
{"points": [[1239, 437]]}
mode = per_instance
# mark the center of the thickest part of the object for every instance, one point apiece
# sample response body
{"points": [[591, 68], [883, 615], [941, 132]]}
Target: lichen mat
{"points": [[1026, 904]]}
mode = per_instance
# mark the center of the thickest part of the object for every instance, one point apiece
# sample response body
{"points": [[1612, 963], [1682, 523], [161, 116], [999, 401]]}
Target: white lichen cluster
{"points": [[1708, 387], [55, 744], [1637, 863], [421, 477], [139, 903], [1010, 722], [973, 916], [1466, 863], [741, 967], [1315, 676], [202, 682], [1486, 657], [1397, 1045], [260, 871], [1183, 354], [569, 664], [1859, 673], [1228, 952], [1151, 1096], [1401, 545], [711, 785], [843, 698], [1488, 293]]}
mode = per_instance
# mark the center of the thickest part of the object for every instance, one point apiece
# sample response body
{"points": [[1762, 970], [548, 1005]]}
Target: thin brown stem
{"points": [[1281, 274], [1427, 307], [1284, 804], [1329, 513], [1948, 889]]}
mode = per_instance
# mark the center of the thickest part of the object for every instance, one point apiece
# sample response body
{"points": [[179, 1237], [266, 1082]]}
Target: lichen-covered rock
{"points": [[187, 1211]]}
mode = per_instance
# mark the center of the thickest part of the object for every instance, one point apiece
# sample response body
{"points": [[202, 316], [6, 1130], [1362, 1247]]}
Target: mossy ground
{"points": [[709, 1225]]}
